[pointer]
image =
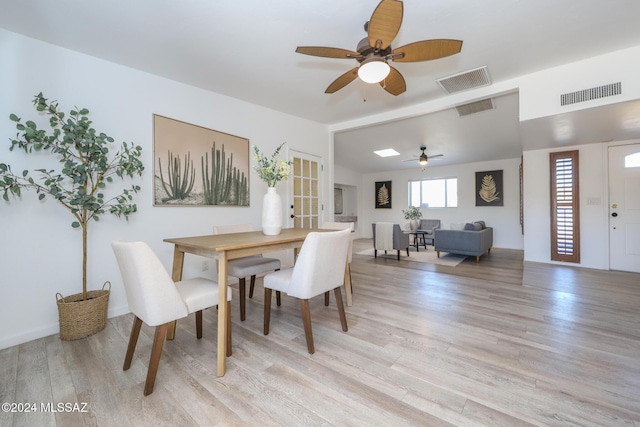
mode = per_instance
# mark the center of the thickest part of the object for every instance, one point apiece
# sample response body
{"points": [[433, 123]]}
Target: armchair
{"points": [[428, 226], [389, 236]]}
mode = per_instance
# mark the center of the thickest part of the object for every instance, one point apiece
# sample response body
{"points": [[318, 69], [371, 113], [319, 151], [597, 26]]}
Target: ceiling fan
{"points": [[423, 159], [374, 51]]}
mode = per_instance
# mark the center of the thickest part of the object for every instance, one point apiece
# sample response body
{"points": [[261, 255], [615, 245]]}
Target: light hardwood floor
{"points": [[489, 344]]}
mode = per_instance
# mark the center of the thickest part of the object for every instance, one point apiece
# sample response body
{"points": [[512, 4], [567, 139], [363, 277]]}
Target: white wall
{"points": [[540, 92], [504, 219], [40, 252]]}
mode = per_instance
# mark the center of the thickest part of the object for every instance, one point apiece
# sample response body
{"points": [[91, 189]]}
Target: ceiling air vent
{"points": [[591, 94], [475, 107], [465, 80]]}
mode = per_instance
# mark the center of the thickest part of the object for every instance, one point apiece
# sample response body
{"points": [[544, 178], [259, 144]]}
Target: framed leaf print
{"points": [[383, 195], [489, 188]]}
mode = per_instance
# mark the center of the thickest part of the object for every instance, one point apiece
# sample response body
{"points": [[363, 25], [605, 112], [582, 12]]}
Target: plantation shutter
{"points": [[565, 212]]}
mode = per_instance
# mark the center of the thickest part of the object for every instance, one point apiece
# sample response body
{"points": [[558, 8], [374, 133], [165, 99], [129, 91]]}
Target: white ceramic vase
{"points": [[271, 213], [414, 224]]}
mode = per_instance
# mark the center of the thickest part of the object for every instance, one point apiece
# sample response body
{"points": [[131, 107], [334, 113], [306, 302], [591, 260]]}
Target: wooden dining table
{"points": [[225, 247]]}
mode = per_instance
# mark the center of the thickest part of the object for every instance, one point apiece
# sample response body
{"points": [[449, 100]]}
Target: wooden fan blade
{"points": [[427, 50], [436, 155], [394, 83], [343, 80], [327, 52], [385, 23]]}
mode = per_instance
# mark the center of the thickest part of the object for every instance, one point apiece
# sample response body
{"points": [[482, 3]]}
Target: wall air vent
{"points": [[465, 80], [475, 107], [591, 94]]}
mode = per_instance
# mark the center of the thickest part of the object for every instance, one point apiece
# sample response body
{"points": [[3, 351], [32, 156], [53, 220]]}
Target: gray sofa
{"points": [[474, 240]]}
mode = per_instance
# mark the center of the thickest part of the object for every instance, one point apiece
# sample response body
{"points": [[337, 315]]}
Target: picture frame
{"points": [[197, 166], [383, 195], [489, 188]]}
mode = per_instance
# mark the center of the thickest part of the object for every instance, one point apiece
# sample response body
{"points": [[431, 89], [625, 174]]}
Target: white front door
{"points": [[624, 208]]}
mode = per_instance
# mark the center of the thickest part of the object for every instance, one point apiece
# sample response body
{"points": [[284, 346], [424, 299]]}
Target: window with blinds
{"points": [[565, 207]]}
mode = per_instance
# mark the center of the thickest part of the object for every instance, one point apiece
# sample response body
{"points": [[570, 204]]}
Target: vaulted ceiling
{"points": [[246, 50]]}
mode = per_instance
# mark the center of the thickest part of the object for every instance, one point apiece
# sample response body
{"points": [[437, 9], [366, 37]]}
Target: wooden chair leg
{"points": [[253, 283], [407, 251], [243, 301], [375, 253], [343, 317], [326, 299], [154, 361], [199, 324], [228, 328], [306, 320], [399, 255], [278, 298], [133, 340], [478, 258], [438, 254], [267, 310]]}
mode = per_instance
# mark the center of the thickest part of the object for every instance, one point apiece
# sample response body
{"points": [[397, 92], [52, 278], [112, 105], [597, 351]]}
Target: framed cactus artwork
{"points": [[489, 189], [196, 166]]}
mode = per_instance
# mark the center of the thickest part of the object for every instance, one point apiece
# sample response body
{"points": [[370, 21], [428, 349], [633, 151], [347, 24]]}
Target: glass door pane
{"points": [[306, 207]]}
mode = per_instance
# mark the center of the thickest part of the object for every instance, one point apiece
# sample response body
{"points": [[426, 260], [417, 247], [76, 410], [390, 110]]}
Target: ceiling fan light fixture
{"points": [[423, 161], [373, 70]]}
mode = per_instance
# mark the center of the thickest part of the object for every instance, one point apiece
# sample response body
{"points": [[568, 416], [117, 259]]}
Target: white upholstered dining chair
{"points": [[249, 266], [156, 300], [319, 268], [329, 225]]}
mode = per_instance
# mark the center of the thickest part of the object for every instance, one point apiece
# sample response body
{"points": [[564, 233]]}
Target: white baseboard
{"points": [[51, 329]]}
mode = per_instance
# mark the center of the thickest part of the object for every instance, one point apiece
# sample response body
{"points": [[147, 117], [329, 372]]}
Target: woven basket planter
{"points": [[81, 318]]}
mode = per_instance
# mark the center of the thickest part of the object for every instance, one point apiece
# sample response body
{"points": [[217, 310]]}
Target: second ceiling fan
{"points": [[374, 51], [423, 159]]}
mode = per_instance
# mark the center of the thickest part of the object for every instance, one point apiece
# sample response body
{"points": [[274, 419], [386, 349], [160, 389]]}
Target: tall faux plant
{"points": [[86, 168]]}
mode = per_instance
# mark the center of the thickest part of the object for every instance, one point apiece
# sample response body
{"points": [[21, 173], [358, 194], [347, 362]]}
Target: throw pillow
{"points": [[482, 224], [469, 226]]}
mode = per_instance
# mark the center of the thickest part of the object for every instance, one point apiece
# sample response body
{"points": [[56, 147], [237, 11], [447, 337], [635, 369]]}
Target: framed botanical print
{"points": [[489, 188], [383, 195]]}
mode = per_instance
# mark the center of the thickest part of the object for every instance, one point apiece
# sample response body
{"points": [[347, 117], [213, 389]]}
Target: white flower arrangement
{"points": [[271, 170]]}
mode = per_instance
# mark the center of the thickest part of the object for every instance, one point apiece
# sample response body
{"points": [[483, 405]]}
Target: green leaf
{"points": [[14, 118], [41, 196], [75, 224]]}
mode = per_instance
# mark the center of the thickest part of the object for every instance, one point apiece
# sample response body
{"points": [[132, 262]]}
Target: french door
{"points": [[306, 207]]}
